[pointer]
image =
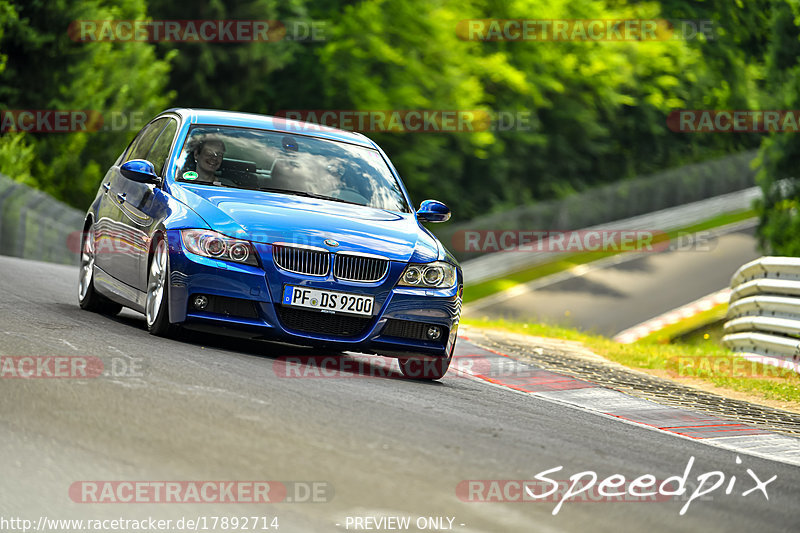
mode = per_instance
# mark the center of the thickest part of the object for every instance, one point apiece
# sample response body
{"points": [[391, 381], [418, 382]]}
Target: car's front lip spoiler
{"points": [[259, 329]]}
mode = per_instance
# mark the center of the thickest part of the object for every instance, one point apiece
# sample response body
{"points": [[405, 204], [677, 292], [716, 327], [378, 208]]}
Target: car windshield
{"points": [[289, 164]]}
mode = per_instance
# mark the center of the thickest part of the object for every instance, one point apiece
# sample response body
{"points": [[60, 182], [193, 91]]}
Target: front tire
{"points": [[426, 369], [157, 303], [88, 298]]}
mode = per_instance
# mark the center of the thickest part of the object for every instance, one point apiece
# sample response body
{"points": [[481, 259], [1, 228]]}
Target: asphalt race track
{"points": [[211, 408], [633, 290]]}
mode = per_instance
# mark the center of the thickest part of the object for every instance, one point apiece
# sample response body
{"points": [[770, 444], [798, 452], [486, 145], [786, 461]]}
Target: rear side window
{"points": [[158, 154], [141, 146]]}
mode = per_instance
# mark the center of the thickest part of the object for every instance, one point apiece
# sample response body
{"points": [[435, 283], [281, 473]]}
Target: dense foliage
{"points": [[596, 110], [43, 68], [780, 210]]}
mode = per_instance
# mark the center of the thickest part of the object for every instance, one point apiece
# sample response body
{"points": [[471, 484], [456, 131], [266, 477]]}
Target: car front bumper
{"points": [[248, 298]]}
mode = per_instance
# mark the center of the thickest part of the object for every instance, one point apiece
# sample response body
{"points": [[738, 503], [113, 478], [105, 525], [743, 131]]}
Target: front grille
{"points": [[301, 260], [359, 268], [406, 329], [323, 323]]}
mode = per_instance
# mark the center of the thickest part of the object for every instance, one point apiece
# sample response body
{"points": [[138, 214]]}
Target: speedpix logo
{"points": [[587, 486]]}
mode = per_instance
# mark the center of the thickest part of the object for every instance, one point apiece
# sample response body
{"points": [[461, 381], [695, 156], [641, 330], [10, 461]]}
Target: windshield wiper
{"points": [[307, 195]]}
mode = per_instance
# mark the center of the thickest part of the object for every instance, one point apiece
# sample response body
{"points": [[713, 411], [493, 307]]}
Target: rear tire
{"points": [[88, 298], [157, 302]]}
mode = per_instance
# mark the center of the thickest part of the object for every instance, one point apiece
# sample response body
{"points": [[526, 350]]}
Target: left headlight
{"points": [[439, 275], [217, 246]]}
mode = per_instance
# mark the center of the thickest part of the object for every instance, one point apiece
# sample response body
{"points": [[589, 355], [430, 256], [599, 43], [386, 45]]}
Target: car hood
{"points": [[267, 217]]}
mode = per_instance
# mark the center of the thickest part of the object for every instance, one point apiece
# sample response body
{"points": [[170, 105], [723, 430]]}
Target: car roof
{"points": [[250, 120]]}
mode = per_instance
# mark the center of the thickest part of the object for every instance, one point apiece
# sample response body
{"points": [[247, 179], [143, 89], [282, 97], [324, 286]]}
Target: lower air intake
{"points": [[323, 323]]}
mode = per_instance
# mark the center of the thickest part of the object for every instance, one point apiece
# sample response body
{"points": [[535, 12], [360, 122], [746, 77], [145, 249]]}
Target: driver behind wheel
{"points": [[206, 154]]}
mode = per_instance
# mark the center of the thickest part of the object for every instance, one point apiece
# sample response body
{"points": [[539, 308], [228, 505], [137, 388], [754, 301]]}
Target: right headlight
{"points": [[436, 275], [209, 243]]}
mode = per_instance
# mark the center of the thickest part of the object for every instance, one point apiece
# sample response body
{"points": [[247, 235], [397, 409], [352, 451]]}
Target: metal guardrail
{"points": [[612, 202], [494, 265], [763, 321], [34, 225]]}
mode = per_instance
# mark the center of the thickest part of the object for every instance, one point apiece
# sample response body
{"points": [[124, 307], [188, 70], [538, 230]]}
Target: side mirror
{"points": [[433, 211], [140, 171]]}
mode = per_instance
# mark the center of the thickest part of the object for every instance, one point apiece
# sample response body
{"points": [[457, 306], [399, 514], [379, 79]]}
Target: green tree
{"points": [[232, 75], [46, 69], [779, 212], [598, 109], [16, 153]]}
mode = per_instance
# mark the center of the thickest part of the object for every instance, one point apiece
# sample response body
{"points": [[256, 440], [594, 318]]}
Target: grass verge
{"points": [[705, 363], [489, 287], [692, 330]]}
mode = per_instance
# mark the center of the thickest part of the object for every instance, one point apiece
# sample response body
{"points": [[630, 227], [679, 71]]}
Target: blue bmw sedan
{"points": [[286, 230]]}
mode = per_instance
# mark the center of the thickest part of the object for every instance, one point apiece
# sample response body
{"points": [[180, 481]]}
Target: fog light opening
{"points": [[434, 332], [200, 302]]}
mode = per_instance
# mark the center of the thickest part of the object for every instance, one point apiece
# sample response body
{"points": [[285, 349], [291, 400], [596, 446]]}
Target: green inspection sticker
{"points": [[190, 175]]}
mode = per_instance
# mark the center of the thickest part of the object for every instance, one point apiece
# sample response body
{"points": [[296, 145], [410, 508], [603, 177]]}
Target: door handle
{"points": [[107, 186], [121, 197]]}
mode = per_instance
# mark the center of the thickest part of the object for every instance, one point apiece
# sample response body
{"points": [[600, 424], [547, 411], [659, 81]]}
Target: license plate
{"points": [[328, 301]]}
